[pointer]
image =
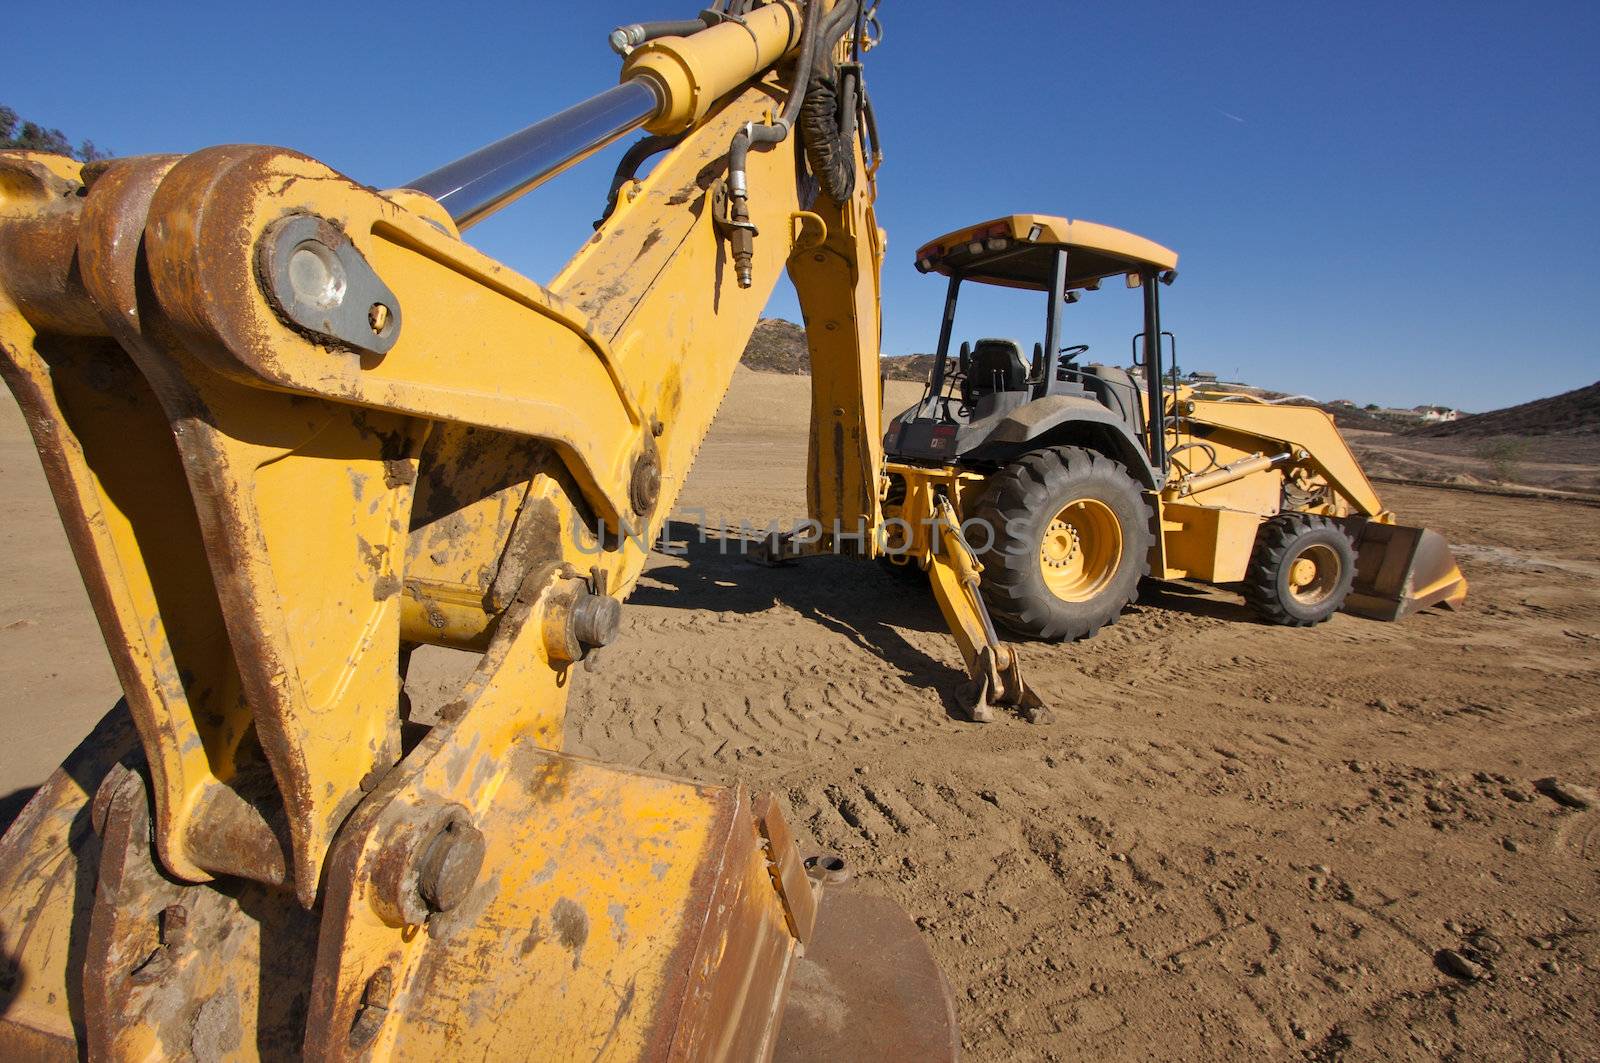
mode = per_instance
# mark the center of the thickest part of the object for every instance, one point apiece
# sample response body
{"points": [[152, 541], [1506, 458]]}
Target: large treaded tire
{"points": [[1280, 543], [1019, 503]]}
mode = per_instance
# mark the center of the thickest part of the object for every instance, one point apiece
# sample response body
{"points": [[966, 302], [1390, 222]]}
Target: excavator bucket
{"points": [[1400, 569]]}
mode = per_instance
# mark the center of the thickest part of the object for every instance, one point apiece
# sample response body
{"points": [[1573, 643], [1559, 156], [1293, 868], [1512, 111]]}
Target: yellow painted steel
{"points": [[1080, 550], [1251, 427], [836, 268], [1210, 543], [1044, 229], [922, 527], [690, 74], [268, 523]]}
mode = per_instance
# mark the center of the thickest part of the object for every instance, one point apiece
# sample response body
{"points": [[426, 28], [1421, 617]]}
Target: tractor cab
{"points": [[996, 398]]}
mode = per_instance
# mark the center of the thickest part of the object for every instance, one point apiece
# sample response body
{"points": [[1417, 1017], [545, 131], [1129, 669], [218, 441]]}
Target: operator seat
{"points": [[996, 365]]}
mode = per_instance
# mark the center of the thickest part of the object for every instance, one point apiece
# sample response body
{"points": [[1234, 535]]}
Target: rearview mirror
{"points": [[965, 361]]}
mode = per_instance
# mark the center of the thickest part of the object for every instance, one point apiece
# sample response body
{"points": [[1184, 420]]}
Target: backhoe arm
{"points": [[296, 427]]}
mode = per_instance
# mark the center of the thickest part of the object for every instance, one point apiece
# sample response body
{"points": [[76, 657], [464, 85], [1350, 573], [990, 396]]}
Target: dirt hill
{"points": [[779, 346], [1571, 413]]}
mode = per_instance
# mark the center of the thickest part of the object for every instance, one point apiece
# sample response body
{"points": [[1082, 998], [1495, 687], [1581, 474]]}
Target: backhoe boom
{"points": [[296, 427]]}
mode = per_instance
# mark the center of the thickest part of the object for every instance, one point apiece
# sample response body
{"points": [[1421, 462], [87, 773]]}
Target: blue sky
{"points": [[1383, 202]]}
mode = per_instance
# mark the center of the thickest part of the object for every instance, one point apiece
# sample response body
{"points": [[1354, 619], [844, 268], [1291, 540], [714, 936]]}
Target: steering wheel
{"points": [[1075, 350]]}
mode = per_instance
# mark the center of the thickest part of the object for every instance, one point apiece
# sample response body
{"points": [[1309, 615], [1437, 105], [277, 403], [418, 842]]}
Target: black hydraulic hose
{"points": [[628, 166], [871, 119], [813, 101], [625, 39], [751, 135], [838, 19], [815, 37]]}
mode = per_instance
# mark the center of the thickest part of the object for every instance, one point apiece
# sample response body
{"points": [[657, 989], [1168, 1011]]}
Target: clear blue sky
{"points": [[1384, 202]]}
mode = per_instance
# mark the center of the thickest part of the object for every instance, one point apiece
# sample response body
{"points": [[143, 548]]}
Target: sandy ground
{"points": [[1233, 839]]}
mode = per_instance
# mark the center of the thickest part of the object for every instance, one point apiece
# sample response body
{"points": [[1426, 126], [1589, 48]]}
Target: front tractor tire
{"points": [[1301, 570], [1071, 541]]}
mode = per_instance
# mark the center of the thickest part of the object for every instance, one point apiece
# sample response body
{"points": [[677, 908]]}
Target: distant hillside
{"points": [[1356, 417], [908, 366], [1572, 413], [779, 346]]}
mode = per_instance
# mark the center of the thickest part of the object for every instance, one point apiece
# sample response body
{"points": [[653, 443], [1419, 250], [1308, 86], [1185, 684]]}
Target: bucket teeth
{"points": [[1400, 570]]}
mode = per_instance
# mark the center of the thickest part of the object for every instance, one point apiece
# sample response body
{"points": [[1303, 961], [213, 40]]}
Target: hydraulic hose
{"points": [[628, 167], [625, 39], [818, 36]]}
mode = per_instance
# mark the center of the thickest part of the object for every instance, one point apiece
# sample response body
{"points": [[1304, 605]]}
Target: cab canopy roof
{"points": [[1016, 251]]}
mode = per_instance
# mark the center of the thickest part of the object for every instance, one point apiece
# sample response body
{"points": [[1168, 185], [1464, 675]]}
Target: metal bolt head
{"points": [[644, 488], [378, 317], [596, 618], [450, 865], [316, 274]]}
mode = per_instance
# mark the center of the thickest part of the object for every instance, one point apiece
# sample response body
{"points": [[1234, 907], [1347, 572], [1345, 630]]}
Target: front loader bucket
{"points": [[1400, 570]]}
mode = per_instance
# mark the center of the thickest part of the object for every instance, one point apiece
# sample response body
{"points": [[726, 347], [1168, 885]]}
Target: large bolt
{"points": [[316, 276], [644, 488], [428, 863], [577, 621], [596, 618], [450, 865]]}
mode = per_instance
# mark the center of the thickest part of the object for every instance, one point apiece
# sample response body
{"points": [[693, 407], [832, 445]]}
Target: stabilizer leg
{"points": [[996, 673]]}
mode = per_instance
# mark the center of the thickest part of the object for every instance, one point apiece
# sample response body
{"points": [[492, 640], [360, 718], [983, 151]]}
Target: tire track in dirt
{"points": [[1233, 840]]}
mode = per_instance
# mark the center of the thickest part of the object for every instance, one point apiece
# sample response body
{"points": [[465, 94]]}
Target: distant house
{"points": [[1200, 376], [1342, 402], [1437, 414]]}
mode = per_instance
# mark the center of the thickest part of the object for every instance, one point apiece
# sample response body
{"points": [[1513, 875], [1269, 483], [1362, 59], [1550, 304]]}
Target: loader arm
{"points": [[296, 427]]}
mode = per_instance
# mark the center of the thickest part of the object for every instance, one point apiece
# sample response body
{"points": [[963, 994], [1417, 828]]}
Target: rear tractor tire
{"points": [[1301, 570], [1071, 541]]}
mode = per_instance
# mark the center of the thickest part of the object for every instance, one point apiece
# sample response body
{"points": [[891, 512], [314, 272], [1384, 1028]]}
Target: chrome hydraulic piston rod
{"points": [[667, 85], [476, 185]]}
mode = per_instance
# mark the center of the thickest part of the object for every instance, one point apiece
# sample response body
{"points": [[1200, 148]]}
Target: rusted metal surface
{"points": [[788, 872], [245, 455], [185, 971], [643, 926], [49, 863]]}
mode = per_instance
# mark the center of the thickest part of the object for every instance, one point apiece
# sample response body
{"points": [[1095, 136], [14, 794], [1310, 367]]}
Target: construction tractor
{"points": [[1074, 481], [296, 427]]}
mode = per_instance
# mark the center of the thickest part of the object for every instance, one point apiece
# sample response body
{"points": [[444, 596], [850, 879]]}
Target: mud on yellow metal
{"points": [[295, 428]]}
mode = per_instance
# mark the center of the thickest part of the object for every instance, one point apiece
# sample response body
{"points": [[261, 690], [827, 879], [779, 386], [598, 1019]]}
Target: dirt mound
{"points": [[1571, 413], [779, 346]]}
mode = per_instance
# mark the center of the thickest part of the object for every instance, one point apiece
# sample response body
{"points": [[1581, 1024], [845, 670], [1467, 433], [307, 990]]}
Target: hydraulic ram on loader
{"points": [[296, 427]]}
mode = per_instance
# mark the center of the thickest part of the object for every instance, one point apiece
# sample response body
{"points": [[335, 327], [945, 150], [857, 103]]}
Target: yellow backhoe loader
{"points": [[1080, 481], [296, 427]]}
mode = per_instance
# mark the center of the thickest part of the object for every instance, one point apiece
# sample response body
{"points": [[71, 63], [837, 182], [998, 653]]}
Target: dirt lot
{"points": [[1565, 462], [1232, 840]]}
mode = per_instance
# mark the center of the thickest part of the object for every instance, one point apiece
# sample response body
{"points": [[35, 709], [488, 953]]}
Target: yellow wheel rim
{"points": [[1081, 550], [1314, 574]]}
